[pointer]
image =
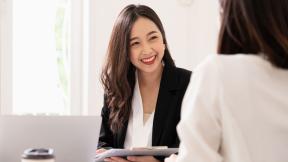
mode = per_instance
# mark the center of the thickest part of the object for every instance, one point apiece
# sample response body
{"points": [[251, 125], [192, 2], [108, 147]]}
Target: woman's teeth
{"points": [[149, 59]]}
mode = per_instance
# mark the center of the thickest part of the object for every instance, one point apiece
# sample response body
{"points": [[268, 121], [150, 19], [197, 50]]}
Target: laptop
{"points": [[73, 138]]}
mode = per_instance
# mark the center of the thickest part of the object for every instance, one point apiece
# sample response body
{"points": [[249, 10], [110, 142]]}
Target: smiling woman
{"points": [[143, 87]]}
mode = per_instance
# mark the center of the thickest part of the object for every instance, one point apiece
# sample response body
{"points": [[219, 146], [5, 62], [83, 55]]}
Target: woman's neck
{"points": [[150, 79]]}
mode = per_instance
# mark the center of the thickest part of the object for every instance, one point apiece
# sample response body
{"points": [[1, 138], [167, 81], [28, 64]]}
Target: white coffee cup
{"points": [[38, 155]]}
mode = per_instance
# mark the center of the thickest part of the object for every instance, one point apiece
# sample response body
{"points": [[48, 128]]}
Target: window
{"points": [[44, 48], [40, 54]]}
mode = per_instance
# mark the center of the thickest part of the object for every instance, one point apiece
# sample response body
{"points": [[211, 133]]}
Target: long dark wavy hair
{"points": [[118, 74], [255, 26]]}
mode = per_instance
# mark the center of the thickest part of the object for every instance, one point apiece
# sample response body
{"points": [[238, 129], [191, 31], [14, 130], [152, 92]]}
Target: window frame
{"points": [[5, 57]]}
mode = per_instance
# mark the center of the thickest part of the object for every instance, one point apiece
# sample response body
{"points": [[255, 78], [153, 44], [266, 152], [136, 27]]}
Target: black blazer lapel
{"points": [[166, 95]]}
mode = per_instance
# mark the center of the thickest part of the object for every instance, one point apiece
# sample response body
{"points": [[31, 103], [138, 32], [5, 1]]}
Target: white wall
{"points": [[191, 27]]}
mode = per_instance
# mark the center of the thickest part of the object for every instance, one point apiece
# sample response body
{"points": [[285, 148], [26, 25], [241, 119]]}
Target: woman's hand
{"points": [[116, 159], [100, 151], [142, 159], [171, 158], [132, 159]]}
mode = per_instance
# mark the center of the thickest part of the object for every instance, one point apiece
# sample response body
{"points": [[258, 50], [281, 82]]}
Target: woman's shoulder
{"points": [[183, 72], [105, 109], [183, 76], [225, 63]]}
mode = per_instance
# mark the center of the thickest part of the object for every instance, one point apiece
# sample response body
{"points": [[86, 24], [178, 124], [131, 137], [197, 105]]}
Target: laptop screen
{"points": [[73, 138]]}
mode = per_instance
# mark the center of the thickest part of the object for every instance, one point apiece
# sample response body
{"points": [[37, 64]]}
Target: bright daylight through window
{"points": [[40, 49]]}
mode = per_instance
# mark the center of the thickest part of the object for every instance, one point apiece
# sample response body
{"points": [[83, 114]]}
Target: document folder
{"points": [[135, 152]]}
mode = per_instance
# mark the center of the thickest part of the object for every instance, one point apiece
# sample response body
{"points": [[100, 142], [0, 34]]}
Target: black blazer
{"points": [[174, 82]]}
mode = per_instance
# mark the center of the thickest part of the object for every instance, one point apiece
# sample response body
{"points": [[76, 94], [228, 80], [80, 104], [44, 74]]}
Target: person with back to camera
{"points": [[143, 87], [236, 107]]}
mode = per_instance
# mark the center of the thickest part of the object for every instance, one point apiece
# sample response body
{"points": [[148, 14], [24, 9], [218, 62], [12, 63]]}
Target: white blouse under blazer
{"points": [[139, 134]]}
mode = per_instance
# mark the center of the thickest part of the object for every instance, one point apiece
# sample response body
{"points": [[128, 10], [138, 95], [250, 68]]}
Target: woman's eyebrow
{"points": [[133, 38], [152, 32]]}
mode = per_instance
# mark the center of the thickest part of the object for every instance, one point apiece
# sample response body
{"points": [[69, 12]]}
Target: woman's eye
{"points": [[134, 44], [153, 37]]}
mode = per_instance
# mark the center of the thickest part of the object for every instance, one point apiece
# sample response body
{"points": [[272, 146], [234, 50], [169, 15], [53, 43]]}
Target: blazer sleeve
{"points": [[106, 135]]}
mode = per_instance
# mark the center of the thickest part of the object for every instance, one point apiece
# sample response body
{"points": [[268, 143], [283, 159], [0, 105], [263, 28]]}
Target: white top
{"points": [[139, 133], [235, 110]]}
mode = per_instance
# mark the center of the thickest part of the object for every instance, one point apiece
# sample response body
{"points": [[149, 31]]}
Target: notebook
{"points": [[136, 152], [73, 138]]}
